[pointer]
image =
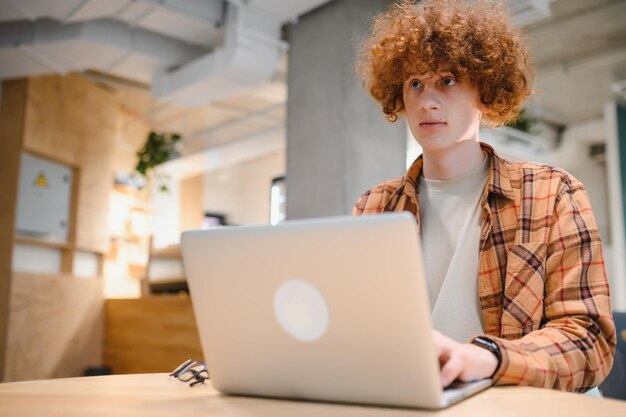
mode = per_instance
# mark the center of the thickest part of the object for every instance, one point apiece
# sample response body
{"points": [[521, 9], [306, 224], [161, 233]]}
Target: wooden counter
{"points": [[154, 395]]}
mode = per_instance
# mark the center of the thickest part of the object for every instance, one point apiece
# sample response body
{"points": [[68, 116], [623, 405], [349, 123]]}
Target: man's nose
{"points": [[429, 99]]}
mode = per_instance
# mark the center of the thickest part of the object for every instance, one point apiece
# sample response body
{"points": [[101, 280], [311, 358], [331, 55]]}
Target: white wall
{"points": [[48, 261], [242, 192], [165, 212]]}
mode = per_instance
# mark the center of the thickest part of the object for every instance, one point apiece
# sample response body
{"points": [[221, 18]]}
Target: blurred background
{"points": [[126, 122]]}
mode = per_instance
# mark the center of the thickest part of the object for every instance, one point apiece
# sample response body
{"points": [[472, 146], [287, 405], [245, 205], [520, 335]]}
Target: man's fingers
{"points": [[437, 339], [462, 361], [443, 345], [452, 369]]}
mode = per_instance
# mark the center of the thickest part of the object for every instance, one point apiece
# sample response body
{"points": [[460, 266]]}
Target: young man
{"points": [[512, 254]]}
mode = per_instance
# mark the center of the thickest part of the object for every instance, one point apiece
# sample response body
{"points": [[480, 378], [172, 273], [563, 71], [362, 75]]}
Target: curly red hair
{"points": [[476, 42]]}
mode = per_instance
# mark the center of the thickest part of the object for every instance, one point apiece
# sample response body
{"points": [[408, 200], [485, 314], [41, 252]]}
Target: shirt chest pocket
{"points": [[523, 289]]}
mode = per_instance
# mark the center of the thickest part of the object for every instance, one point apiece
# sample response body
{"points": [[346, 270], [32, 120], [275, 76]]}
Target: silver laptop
{"points": [[332, 309]]}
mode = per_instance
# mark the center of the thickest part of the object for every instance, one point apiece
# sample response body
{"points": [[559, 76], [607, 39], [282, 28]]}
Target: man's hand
{"points": [[463, 361]]}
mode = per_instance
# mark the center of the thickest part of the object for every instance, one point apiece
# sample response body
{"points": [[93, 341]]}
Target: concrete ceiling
{"points": [[211, 70], [218, 123], [580, 51], [191, 52]]}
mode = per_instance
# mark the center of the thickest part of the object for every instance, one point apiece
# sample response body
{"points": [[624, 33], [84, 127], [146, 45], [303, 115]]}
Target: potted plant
{"points": [[159, 148], [524, 123]]}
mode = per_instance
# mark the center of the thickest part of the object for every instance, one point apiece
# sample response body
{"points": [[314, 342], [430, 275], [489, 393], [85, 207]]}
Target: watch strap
{"points": [[491, 346]]}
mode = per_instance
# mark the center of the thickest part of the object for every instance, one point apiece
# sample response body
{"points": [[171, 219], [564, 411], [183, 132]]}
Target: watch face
{"points": [[487, 344]]}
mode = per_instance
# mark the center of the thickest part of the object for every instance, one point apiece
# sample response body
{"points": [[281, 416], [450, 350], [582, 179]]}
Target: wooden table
{"points": [[154, 395]]}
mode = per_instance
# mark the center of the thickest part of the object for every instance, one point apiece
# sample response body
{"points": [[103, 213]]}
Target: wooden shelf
{"points": [[22, 240], [171, 252], [169, 286], [172, 281]]}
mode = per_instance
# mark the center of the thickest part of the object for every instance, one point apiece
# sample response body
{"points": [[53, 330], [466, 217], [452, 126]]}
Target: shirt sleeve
{"points": [[574, 346], [375, 200], [358, 208]]}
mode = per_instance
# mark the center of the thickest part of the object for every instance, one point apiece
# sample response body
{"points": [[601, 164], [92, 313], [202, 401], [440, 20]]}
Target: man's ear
{"points": [[483, 108]]}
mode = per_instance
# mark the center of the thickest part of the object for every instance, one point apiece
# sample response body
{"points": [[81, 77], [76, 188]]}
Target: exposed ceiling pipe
{"points": [[45, 46], [152, 41], [248, 57], [184, 16]]}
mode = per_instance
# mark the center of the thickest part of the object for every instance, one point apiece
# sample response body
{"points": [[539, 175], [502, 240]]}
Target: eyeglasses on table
{"points": [[191, 370]]}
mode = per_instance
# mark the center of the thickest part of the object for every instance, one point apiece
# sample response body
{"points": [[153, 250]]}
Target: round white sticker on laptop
{"points": [[301, 310]]}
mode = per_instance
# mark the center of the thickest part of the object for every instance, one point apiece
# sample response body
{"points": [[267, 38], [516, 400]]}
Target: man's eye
{"points": [[415, 84], [449, 82]]}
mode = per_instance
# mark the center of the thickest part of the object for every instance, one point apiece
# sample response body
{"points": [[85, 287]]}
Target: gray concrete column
{"points": [[338, 142]]}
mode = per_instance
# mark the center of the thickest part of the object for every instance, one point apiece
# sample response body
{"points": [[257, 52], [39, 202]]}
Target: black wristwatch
{"points": [[492, 347]]}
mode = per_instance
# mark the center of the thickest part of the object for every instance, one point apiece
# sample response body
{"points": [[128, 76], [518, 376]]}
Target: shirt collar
{"points": [[497, 183]]}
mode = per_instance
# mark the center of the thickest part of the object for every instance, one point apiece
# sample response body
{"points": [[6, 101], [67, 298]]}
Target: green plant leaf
{"points": [[524, 122], [158, 148]]}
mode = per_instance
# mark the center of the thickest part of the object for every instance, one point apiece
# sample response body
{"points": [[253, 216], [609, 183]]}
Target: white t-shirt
{"points": [[450, 229]]}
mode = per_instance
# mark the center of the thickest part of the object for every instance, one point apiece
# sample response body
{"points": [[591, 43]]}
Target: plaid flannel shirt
{"points": [[542, 284]]}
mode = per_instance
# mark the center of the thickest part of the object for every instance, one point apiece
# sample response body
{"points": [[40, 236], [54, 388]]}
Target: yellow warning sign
{"points": [[41, 181]]}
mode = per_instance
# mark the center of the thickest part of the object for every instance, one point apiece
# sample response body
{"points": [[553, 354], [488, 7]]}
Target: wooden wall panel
{"points": [[132, 134], [12, 120], [54, 112], [96, 170], [152, 334], [52, 328], [56, 327], [72, 120], [191, 207]]}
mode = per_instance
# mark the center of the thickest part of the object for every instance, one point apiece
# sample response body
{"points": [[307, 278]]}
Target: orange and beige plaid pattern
{"points": [[542, 283]]}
